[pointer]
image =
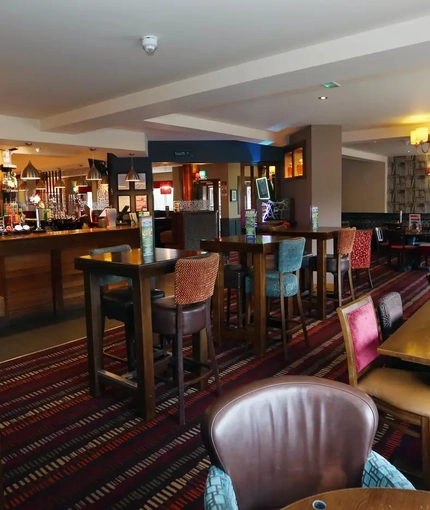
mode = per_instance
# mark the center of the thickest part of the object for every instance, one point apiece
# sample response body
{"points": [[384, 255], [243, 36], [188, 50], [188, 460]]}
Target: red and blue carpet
{"points": [[63, 449]]}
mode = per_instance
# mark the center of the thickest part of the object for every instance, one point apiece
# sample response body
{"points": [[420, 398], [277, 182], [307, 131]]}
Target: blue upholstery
{"points": [[290, 258], [107, 280], [378, 472], [219, 492]]}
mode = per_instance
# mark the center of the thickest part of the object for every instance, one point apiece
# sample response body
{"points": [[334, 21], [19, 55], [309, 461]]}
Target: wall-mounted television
{"points": [[263, 190]]}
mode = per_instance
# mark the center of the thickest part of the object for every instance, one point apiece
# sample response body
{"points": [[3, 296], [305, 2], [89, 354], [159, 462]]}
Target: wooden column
{"points": [[187, 182]]}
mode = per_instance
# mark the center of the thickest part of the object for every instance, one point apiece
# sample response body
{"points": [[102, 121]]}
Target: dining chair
{"points": [[390, 313], [402, 396], [397, 245], [338, 264], [381, 242], [275, 441], [361, 255], [118, 304], [284, 282], [188, 312]]}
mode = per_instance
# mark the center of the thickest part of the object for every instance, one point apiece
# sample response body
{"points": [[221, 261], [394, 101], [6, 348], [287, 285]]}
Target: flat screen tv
{"points": [[263, 190]]}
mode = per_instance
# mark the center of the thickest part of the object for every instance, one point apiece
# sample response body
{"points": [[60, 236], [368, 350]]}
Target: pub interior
{"points": [[218, 309]]}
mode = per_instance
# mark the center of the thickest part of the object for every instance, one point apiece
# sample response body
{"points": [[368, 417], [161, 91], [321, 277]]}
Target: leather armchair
{"points": [[278, 440]]}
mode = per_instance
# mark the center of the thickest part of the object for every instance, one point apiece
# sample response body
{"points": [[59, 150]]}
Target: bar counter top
{"points": [[37, 273]]}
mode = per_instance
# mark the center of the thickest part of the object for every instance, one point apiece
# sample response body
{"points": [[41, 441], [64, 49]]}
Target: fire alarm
{"points": [[149, 43]]}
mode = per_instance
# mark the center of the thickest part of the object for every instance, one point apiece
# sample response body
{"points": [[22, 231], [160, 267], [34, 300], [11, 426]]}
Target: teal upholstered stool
{"points": [[284, 282]]}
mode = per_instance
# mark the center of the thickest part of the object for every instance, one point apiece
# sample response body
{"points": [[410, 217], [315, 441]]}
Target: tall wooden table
{"points": [[321, 235], [127, 265], [357, 499], [259, 247], [411, 342]]}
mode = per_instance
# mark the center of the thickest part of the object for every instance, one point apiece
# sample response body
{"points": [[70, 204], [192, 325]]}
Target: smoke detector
{"points": [[149, 43]]}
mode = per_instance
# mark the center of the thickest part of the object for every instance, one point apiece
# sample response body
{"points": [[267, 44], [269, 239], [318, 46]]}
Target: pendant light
{"points": [[23, 186], [105, 179], [93, 174], [30, 173], [59, 183], [41, 184], [81, 181], [132, 175]]}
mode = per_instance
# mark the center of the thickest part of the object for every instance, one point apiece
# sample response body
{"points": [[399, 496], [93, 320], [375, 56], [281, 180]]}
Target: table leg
{"points": [[321, 279], [93, 317], [57, 281], [145, 397], [260, 317], [218, 303], [200, 354]]}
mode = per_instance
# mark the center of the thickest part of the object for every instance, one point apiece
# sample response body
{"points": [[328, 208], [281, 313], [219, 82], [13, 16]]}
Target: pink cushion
{"points": [[365, 335]]}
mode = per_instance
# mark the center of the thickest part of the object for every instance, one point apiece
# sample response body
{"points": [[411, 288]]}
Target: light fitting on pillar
{"points": [[132, 175], [30, 173], [419, 138], [93, 174]]}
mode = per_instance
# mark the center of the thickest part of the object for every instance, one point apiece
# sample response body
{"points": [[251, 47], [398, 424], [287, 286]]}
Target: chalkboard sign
{"points": [[263, 188]]}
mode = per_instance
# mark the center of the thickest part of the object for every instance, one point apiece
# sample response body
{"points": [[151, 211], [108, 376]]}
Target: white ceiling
{"points": [[74, 73]]}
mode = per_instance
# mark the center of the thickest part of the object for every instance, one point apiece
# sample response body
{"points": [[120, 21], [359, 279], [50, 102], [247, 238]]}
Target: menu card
{"points": [[146, 237], [314, 217], [250, 222]]}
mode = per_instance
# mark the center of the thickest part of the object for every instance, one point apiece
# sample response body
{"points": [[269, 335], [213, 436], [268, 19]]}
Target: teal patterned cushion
{"points": [[290, 255], [378, 472], [219, 492], [272, 284]]}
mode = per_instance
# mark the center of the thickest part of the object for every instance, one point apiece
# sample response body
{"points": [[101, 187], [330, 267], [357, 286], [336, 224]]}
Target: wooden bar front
{"points": [[37, 274]]}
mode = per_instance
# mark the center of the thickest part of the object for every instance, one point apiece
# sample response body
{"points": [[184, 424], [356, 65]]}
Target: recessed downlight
{"points": [[28, 144], [323, 98], [37, 149]]}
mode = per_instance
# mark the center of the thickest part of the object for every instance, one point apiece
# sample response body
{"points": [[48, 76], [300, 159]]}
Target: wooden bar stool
{"points": [[186, 313], [234, 278]]}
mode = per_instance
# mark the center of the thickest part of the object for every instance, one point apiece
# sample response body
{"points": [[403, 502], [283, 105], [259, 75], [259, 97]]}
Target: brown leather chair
{"points": [[286, 438]]}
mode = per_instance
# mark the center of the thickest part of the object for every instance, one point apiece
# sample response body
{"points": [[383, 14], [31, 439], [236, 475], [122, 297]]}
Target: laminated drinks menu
{"points": [[146, 237], [314, 217], [415, 224], [250, 222]]}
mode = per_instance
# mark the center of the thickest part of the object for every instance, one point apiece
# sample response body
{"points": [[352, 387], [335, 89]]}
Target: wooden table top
{"points": [[365, 499], [308, 232], [242, 243], [411, 342], [131, 263]]}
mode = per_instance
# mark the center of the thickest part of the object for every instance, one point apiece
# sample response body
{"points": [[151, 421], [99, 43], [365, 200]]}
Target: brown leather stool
{"points": [[187, 313], [117, 304]]}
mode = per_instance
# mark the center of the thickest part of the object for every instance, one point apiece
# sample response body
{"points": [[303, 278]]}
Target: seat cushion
{"points": [[272, 284], [306, 260], [331, 264], [118, 303], [164, 316], [409, 391], [234, 276]]}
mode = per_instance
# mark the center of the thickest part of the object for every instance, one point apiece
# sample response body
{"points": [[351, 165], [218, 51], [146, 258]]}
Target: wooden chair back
{"points": [[361, 336]]}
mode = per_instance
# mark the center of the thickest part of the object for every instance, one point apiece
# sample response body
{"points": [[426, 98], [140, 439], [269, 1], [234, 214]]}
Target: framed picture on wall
{"points": [[233, 195], [142, 183], [123, 200], [122, 183], [141, 202]]}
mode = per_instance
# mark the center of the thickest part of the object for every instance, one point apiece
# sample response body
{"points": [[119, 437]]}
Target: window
{"points": [[161, 201]]}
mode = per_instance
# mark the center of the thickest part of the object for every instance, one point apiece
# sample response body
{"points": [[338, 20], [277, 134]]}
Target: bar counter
{"points": [[37, 274]]}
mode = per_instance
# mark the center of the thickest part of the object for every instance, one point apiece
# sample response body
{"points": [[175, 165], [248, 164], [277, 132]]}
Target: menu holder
{"points": [[314, 217], [146, 237], [250, 223]]}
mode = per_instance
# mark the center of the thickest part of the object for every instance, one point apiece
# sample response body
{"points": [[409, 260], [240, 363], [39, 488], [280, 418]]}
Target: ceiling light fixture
{"points": [[323, 97], [41, 184], [132, 175], [37, 149], [30, 173], [420, 138], [28, 144], [59, 183], [93, 174]]}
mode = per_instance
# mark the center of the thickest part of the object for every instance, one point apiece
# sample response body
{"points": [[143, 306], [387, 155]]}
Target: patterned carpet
{"points": [[63, 449]]}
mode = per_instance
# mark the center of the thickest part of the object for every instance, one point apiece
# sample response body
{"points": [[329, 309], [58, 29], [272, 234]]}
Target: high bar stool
{"points": [[186, 313], [118, 304], [234, 278]]}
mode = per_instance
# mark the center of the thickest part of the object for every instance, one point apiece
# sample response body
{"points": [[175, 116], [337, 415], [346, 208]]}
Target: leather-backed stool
{"points": [[186, 313], [118, 304], [234, 278]]}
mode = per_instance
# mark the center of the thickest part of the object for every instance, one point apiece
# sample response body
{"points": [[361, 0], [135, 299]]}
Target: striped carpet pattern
{"points": [[63, 449]]}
